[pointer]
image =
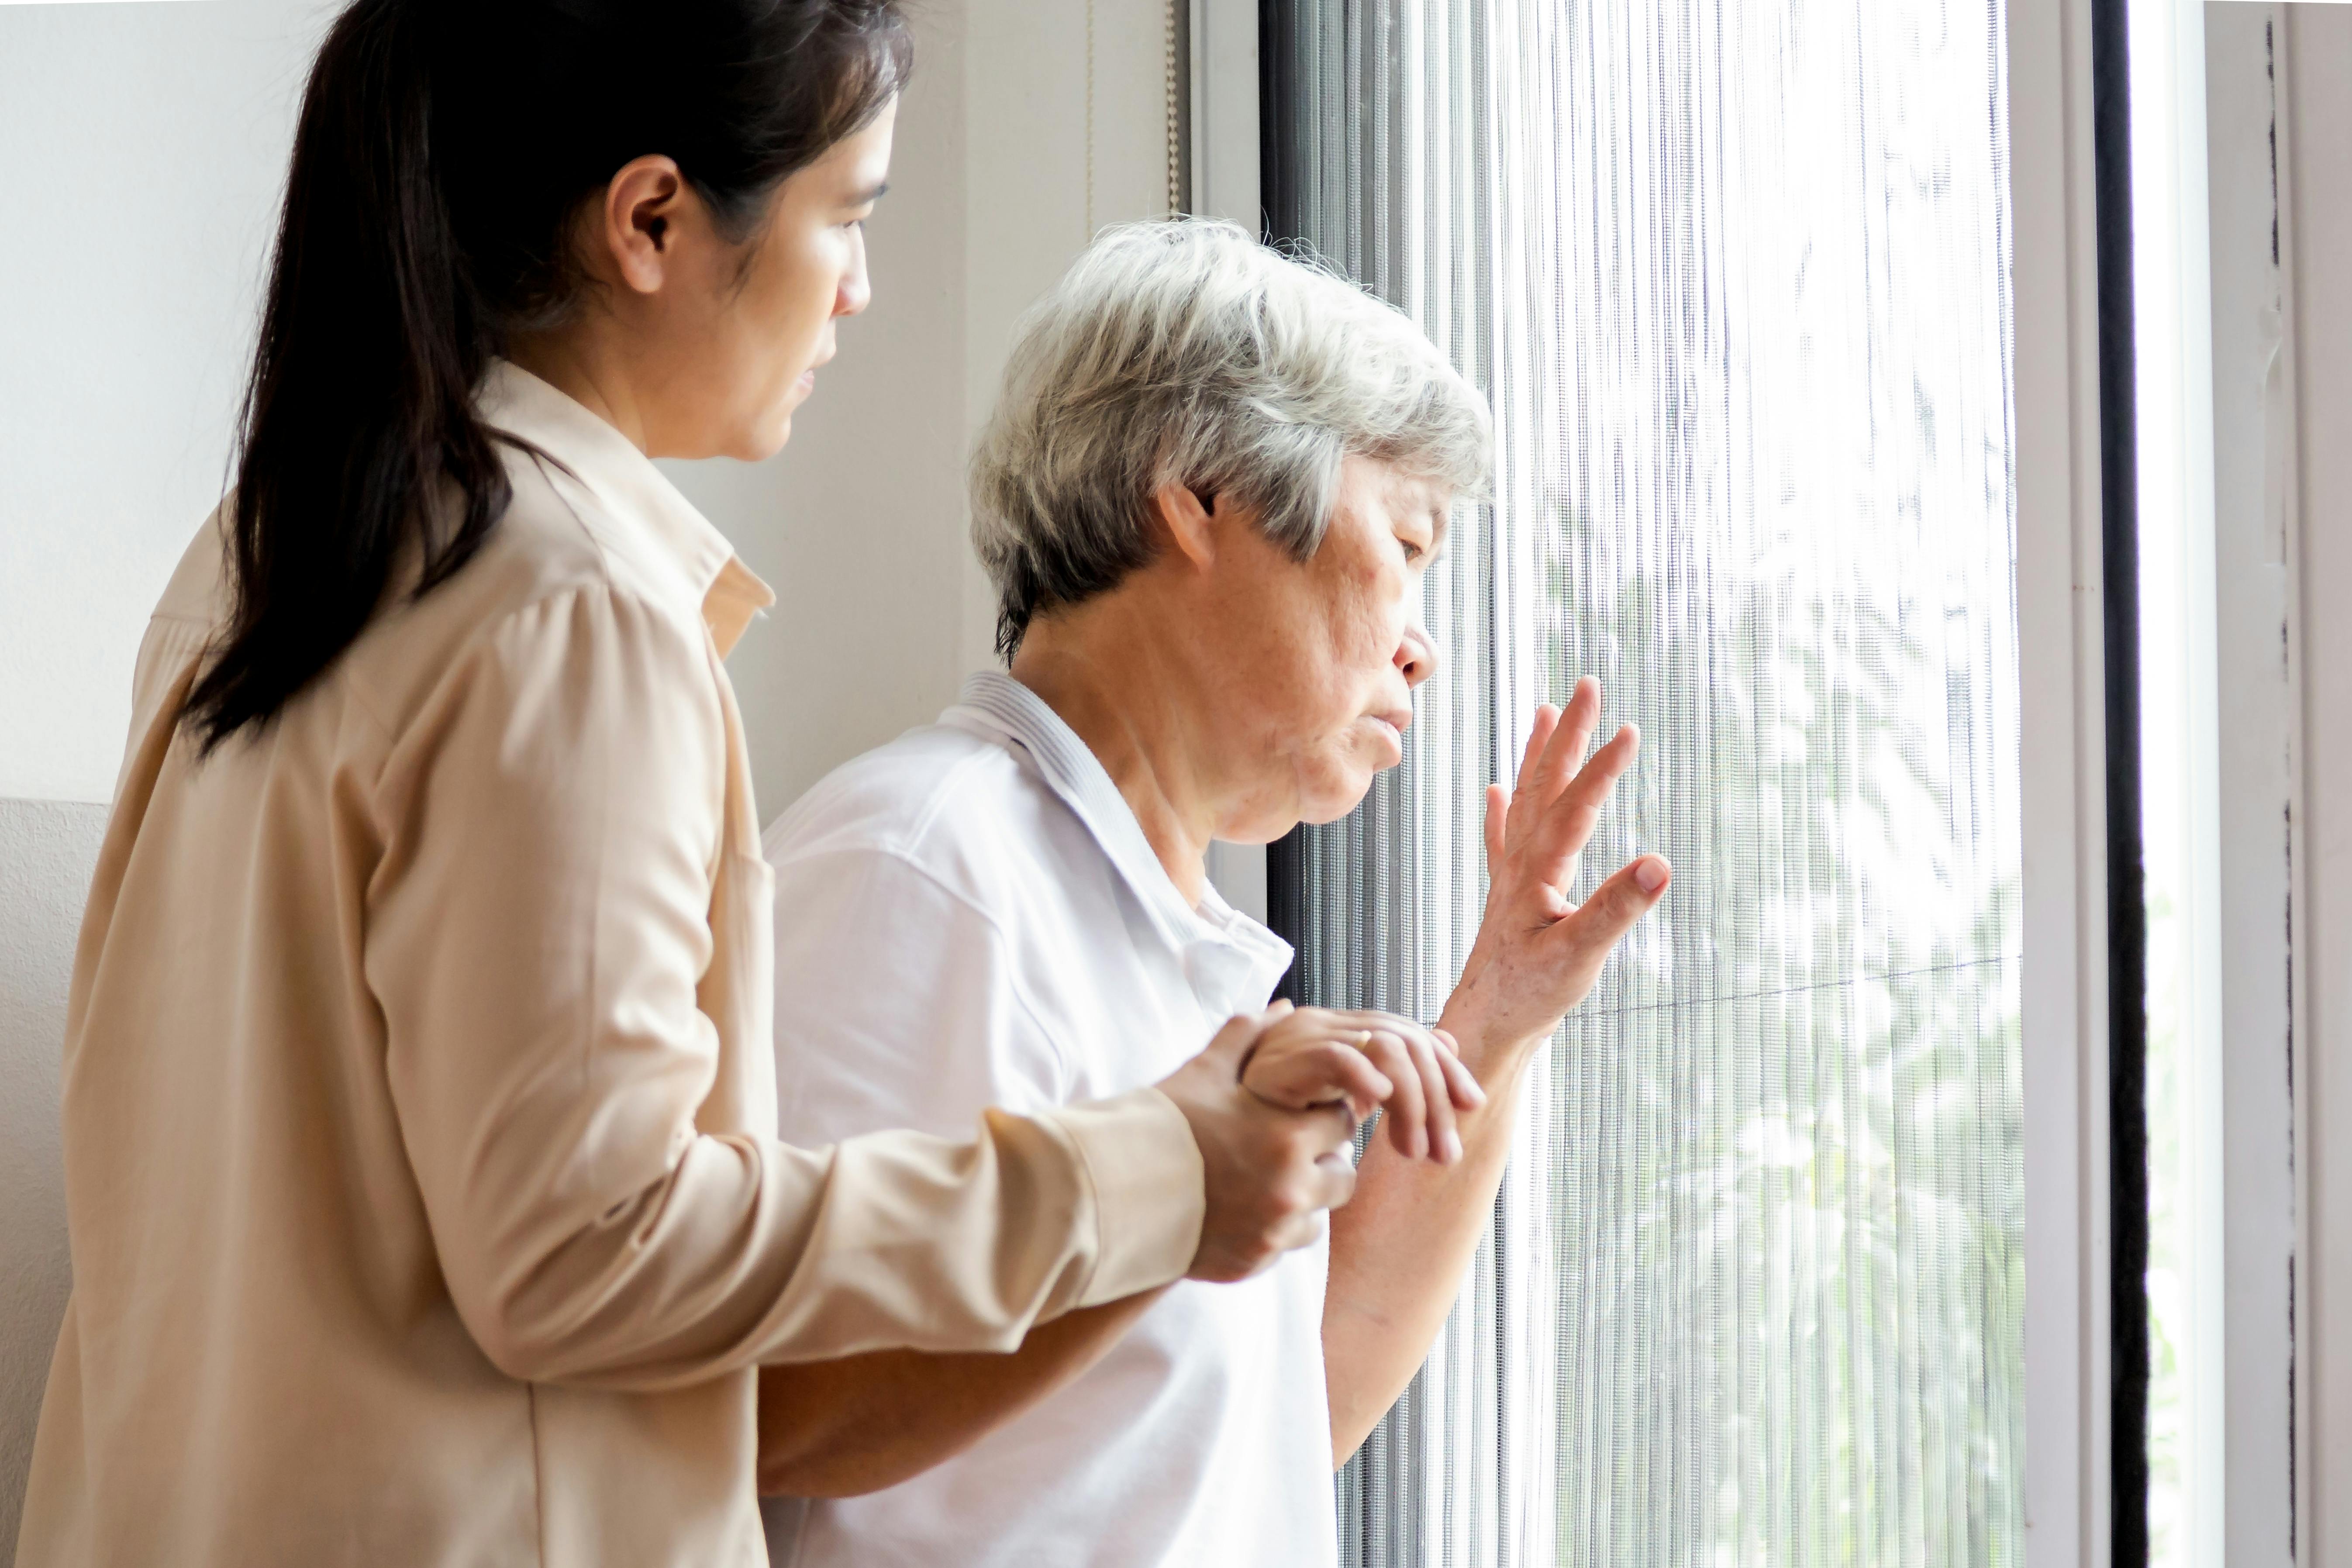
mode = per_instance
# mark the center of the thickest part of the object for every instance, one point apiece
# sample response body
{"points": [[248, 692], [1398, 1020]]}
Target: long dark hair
{"points": [[443, 152]]}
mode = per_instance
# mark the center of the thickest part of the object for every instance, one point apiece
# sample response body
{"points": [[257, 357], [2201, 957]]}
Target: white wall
{"points": [[46, 848], [145, 145]]}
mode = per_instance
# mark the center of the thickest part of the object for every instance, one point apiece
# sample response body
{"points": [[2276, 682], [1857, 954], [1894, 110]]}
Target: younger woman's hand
{"points": [[1537, 954], [1366, 1062]]}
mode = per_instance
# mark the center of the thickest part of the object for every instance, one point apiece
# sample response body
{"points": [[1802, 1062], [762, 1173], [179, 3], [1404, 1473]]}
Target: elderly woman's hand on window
{"points": [[1537, 954]]}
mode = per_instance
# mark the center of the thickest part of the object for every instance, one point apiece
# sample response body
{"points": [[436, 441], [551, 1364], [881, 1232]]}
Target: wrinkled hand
{"points": [[1268, 1172], [1537, 955], [1365, 1061]]}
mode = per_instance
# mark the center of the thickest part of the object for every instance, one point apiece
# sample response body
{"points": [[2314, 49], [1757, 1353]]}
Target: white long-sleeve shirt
{"points": [[972, 916]]}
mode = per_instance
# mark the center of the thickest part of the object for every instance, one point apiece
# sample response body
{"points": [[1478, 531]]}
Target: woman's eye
{"points": [[1412, 551]]}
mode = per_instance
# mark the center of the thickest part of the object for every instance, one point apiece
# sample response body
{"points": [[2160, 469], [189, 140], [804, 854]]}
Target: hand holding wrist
{"points": [[1369, 1060]]}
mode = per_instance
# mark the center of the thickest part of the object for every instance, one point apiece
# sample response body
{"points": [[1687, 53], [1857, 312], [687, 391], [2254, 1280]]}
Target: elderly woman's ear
{"points": [[1190, 525]]}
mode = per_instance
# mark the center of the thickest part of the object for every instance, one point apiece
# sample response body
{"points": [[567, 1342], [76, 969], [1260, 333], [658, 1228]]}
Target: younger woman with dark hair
{"points": [[422, 1184]]}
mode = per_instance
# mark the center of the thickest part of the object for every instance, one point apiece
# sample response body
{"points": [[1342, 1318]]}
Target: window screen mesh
{"points": [[1734, 276]]}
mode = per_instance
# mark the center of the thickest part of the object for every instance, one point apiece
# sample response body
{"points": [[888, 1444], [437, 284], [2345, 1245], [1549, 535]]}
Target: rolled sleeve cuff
{"points": [[1148, 1189]]}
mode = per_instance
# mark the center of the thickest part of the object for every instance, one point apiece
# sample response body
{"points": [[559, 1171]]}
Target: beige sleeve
{"points": [[536, 930]]}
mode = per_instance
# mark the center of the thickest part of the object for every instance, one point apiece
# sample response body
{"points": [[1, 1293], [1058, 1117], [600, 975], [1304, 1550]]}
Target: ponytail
{"points": [[443, 149], [358, 434]]}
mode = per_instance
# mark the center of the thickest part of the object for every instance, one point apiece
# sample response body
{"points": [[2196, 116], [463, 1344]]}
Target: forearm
{"points": [[842, 1428], [1400, 1248]]}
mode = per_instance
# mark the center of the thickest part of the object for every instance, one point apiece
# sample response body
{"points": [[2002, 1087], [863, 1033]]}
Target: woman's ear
{"points": [[1189, 531], [636, 228]]}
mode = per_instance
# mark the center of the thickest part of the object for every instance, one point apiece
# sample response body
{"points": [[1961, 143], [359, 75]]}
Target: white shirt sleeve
{"points": [[897, 1005]]}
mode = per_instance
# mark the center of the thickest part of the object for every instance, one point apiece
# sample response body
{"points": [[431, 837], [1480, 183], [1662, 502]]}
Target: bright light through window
{"points": [[2180, 784], [1737, 279]]}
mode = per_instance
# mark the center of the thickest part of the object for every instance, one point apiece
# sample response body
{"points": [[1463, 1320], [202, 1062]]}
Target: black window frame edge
{"points": [[2128, 1127], [1277, 67]]}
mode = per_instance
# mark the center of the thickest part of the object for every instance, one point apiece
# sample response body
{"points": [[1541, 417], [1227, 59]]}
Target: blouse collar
{"points": [[649, 521]]}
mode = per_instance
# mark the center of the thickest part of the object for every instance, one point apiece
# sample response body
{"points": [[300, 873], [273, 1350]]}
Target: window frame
{"points": [[2062, 745], [1223, 150]]}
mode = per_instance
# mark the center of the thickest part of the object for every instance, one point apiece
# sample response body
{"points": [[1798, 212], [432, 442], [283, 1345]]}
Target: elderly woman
{"points": [[1207, 499]]}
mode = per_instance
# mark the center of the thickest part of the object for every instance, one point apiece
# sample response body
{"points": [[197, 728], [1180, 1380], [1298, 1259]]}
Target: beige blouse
{"points": [[422, 1183]]}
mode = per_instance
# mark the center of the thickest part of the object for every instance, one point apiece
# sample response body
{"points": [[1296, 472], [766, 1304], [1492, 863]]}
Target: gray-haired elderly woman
{"points": [[1207, 499]]}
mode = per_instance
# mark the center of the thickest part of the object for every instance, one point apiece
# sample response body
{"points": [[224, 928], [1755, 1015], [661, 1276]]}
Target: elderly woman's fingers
{"points": [[1431, 1086], [1443, 1142], [1602, 920], [1347, 1020], [1461, 1085], [1539, 734], [1524, 805], [1561, 836], [1496, 804], [1408, 1110], [1448, 1089], [1570, 739], [1556, 742], [1299, 1074]]}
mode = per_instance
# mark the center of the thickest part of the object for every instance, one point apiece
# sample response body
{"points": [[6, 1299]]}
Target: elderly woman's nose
{"points": [[1416, 655]]}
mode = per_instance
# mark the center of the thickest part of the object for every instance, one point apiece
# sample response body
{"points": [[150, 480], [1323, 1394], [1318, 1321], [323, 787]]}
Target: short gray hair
{"points": [[1185, 352]]}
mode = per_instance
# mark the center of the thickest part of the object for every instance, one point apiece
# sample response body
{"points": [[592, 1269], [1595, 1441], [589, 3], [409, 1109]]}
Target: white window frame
{"points": [[1221, 77], [2062, 742], [2261, 820]]}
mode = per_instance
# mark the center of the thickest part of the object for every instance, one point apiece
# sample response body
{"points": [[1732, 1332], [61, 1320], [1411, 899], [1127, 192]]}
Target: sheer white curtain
{"points": [[1734, 275]]}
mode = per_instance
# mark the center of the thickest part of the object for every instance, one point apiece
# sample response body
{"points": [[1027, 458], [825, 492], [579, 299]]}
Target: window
{"points": [[1735, 279]]}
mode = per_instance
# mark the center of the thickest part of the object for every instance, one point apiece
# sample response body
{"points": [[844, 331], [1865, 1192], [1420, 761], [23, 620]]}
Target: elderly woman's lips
{"points": [[1397, 718]]}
